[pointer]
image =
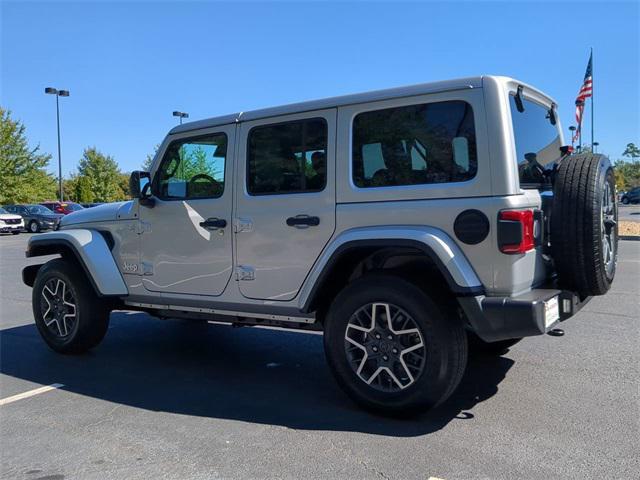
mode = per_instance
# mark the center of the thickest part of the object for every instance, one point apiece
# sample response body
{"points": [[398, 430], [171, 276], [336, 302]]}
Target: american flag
{"points": [[585, 92]]}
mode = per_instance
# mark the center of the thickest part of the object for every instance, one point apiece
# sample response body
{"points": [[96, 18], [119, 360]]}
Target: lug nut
{"points": [[377, 335], [375, 349], [390, 337], [385, 358], [395, 350]]}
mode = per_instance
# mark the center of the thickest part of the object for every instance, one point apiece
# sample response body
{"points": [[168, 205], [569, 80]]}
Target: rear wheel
{"points": [[391, 348], [69, 315], [584, 224]]}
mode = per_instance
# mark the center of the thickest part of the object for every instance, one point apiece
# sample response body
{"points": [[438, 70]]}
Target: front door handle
{"points": [[303, 221], [213, 223]]}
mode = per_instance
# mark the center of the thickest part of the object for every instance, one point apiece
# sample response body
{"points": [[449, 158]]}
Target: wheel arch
{"points": [[353, 248], [88, 248]]}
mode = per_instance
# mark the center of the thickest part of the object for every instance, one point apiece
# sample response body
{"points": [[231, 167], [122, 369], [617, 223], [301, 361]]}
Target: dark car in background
{"points": [[36, 217], [62, 207], [90, 205], [632, 196]]}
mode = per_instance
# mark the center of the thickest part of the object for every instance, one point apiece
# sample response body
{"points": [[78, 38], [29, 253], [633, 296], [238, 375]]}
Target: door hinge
{"points": [[243, 225], [244, 272], [147, 268], [143, 227]]}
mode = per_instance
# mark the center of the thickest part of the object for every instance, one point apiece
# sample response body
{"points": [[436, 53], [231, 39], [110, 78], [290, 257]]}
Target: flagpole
{"points": [[592, 91]]}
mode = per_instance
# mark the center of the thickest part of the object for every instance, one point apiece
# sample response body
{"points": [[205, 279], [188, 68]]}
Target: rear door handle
{"points": [[303, 221], [213, 223]]}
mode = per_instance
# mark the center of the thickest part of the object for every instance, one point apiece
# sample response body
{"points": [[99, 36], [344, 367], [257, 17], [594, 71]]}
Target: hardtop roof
{"points": [[332, 102]]}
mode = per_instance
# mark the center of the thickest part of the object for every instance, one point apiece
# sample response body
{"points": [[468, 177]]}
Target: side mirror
{"points": [[140, 187]]}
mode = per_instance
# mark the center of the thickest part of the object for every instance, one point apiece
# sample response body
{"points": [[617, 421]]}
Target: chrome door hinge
{"points": [[147, 268], [244, 272], [243, 225], [143, 227]]}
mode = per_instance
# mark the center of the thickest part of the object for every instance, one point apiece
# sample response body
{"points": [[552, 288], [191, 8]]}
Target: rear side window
{"points": [[413, 145], [537, 139], [287, 157]]}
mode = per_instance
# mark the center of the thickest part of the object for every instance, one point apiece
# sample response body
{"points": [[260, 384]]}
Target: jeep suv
{"points": [[406, 224]]}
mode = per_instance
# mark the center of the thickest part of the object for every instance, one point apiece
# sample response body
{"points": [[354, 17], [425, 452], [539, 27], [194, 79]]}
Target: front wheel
{"points": [[69, 315], [16, 232], [625, 200], [391, 347], [34, 227]]}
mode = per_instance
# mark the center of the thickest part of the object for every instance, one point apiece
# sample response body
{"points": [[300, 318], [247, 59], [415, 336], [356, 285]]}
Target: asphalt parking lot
{"points": [[630, 213], [176, 400]]}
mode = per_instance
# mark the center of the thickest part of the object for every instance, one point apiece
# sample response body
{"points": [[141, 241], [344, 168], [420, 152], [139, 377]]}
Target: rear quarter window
{"points": [[415, 144]]}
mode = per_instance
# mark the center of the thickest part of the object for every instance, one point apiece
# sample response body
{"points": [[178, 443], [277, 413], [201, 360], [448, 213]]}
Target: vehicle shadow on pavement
{"points": [[216, 371]]}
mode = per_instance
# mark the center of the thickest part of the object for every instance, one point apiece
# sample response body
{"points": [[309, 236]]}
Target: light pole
{"points": [[58, 93], [181, 115], [595, 147], [572, 129]]}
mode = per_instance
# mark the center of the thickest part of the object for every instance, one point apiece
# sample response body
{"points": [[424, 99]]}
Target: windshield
{"points": [[536, 138], [2, 210], [38, 209], [72, 207]]}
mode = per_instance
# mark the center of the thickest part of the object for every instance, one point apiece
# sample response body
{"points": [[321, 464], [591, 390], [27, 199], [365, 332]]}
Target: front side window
{"points": [[193, 168], [537, 139], [415, 144], [287, 157]]}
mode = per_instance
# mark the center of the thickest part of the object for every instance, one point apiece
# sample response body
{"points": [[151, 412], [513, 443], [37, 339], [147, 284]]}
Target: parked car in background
{"points": [[632, 196], [36, 217], [63, 207], [90, 205], [10, 222]]}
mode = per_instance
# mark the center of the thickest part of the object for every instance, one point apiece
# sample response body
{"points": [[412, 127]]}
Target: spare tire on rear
{"points": [[584, 229]]}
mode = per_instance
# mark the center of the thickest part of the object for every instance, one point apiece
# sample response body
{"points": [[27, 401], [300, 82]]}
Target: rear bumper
{"points": [[525, 315]]}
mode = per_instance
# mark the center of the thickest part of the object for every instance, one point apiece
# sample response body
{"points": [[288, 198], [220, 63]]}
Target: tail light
{"points": [[59, 210], [516, 231]]}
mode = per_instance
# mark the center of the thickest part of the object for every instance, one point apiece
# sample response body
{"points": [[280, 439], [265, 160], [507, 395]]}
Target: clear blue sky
{"points": [[129, 65]]}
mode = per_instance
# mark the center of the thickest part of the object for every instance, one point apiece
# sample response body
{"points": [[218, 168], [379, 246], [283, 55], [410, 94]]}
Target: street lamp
{"points": [[595, 147], [181, 115], [573, 131], [58, 93]]}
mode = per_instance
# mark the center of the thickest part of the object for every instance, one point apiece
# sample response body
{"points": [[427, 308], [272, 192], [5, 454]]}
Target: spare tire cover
{"points": [[584, 228]]}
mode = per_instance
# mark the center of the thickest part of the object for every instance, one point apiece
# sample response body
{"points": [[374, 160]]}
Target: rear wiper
{"points": [[518, 99], [551, 114]]}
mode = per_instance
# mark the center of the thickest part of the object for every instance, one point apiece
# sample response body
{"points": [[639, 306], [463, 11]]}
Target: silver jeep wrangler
{"points": [[406, 224]]}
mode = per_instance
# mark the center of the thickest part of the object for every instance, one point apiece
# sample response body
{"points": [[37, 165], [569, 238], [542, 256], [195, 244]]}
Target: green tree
{"points": [[123, 183], [23, 177], [103, 175], [82, 189], [632, 151], [627, 174], [148, 162]]}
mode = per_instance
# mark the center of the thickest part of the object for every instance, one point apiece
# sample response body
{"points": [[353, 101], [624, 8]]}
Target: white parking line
{"points": [[30, 393]]}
